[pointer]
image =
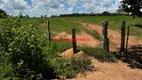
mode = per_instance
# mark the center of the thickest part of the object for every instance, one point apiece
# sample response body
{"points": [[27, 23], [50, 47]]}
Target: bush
{"points": [[69, 67], [24, 45]]}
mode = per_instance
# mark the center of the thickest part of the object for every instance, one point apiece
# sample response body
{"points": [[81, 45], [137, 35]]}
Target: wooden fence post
{"points": [[105, 37], [48, 29], [122, 48], [74, 41], [127, 38]]}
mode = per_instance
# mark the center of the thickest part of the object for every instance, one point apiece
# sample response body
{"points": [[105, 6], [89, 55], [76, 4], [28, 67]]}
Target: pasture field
{"points": [[28, 37], [60, 24], [114, 22]]}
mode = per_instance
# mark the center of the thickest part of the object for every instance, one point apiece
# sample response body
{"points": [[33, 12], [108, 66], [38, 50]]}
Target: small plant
{"points": [[68, 68]]}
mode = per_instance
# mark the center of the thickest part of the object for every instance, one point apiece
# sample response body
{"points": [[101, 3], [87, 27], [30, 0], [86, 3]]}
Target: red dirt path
{"points": [[105, 71], [114, 37]]}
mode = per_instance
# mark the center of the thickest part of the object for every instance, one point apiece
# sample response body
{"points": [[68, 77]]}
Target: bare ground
{"points": [[105, 71], [114, 37], [112, 71]]}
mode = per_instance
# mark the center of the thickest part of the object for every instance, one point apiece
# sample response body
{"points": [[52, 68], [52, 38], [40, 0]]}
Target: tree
{"points": [[132, 6], [41, 16], [27, 16], [106, 13], [45, 16], [2, 13], [20, 15], [119, 11]]}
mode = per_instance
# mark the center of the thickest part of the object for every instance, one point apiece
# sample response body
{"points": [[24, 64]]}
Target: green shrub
{"points": [[69, 67], [6, 71], [24, 45]]}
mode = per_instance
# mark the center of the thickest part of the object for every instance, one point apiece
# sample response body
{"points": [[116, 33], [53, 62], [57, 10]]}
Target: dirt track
{"points": [[112, 71], [107, 71], [114, 37]]}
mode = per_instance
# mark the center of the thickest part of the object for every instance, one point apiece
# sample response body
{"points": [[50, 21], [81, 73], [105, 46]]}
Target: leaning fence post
{"points": [[127, 38], [122, 48], [105, 37], [74, 41], [48, 31]]}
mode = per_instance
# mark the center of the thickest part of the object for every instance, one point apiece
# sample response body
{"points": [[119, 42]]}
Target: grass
{"points": [[60, 46], [59, 25], [114, 22], [95, 34], [98, 53]]}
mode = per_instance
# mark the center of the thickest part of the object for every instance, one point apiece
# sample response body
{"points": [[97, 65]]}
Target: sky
{"points": [[57, 7]]}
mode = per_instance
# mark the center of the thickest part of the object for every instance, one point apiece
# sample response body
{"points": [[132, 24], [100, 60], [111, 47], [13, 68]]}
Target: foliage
{"points": [[69, 67], [26, 54], [106, 13], [24, 45], [27, 16], [132, 6], [5, 66], [20, 15], [66, 67], [3, 14], [5, 71], [119, 11]]}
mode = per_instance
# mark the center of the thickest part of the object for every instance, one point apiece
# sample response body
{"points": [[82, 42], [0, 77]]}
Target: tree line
{"points": [[105, 13]]}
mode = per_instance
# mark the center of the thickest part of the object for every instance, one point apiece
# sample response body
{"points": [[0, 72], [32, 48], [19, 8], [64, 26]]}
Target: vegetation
{"points": [[99, 54], [3, 14], [132, 6], [60, 25], [68, 68], [105, 13], [26, 54], [114, 22]]}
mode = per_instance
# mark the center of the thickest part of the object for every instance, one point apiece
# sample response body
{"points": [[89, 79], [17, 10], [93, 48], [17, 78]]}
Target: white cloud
{"points": [[56, 7], [72, 2], [70, 10], [19, 4], [1, 1]]}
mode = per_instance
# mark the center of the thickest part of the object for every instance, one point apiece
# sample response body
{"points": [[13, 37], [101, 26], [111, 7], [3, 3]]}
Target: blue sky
{"points": [[57, 7]]}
